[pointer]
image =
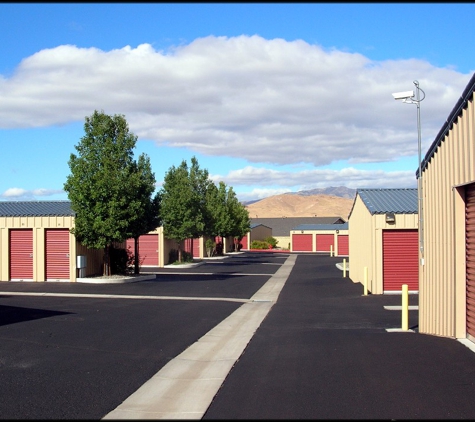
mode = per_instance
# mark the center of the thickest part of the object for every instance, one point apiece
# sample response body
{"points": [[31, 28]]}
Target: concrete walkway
{"points": [[186, 386]]}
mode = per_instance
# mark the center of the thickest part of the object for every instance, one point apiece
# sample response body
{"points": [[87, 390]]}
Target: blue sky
{"points": [[270, 98]]}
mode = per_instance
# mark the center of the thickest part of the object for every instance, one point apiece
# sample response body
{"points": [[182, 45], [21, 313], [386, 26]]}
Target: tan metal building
{"points": [[447, 264], [383, 238], [257, 232], [328, 238], [36, 245], [282, 226]]}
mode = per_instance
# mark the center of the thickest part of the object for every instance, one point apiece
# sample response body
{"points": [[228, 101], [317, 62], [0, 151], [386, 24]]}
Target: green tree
{"points": [[99, 184], [200, 184], [241, 222], [181, 206], [228, 217], [220, 220]]}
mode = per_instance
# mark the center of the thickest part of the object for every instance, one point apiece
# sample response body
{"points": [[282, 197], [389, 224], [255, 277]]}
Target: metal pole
{"points": [[366, 281], [405, 308], [419, 178]]}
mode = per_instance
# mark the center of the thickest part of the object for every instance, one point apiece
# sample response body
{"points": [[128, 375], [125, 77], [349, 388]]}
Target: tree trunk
{"points": [[107, 267], [136, 256]]}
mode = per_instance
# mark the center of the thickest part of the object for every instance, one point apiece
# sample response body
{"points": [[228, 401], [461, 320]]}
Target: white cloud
{"points": [[14, 193], [311, 179], [267, 101], [20, 194], [264, 101]]}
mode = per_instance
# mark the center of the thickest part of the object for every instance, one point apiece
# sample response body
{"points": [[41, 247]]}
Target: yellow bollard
{"points": [[344, 267], [405, 308], [331, 250], [365, 281]]}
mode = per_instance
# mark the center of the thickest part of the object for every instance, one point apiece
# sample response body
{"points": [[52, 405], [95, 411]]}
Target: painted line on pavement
{"points": [[105, 296], [217, 274], [399, 308]]}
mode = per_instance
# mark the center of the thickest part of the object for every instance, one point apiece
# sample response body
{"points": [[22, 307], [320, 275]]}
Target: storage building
{"points": [[447, 264], [383, 238]]}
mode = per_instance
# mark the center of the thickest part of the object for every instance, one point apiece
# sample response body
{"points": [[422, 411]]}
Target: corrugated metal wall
{"points": [[442, 278], [38, 226]]}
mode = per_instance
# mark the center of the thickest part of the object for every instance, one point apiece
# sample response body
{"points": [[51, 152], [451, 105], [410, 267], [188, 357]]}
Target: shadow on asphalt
{"points": [[14, 314]]}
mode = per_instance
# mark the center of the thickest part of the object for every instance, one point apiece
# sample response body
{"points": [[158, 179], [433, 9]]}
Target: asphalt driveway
{"points": [[323, 350], [76, 351]]}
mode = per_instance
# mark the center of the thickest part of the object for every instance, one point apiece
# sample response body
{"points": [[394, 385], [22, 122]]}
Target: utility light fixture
{"points": [[408, 98], [403, 95]]}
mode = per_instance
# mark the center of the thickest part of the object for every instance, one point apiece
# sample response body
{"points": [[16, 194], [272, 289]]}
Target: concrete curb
{"points": [[185, 387], [115, 280]]}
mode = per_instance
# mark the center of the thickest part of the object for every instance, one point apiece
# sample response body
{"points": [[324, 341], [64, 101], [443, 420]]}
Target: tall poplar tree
{"points": [[183, 202], [99, 184]]}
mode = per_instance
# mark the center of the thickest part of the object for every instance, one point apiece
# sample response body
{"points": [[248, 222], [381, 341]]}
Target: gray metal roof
{"points": [[397, 201], [343, 226], [253, 225], [281, 226], [35, 208]]}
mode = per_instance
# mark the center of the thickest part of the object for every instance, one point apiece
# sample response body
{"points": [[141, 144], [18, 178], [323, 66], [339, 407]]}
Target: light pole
{"points": [[408, 98]]}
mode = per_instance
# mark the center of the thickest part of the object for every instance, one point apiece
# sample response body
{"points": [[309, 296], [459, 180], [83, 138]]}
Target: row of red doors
{"points": [[56, 254], [57, 261], [325, 242]]}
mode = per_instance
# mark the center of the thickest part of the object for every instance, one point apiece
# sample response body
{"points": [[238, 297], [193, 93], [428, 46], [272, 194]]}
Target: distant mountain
{"points": [[340, 191], [246, 203], [301, 205]]}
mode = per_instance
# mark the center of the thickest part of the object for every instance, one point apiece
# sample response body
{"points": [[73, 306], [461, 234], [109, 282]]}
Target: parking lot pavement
{"points": [[185, 387], [324, 352], [72, 350]]}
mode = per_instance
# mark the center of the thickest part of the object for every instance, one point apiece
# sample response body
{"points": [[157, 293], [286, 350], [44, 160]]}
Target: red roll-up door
{"points": [[470, 257], [324, 241], [130, 244], [57, 254], [196, 247], [195, 244], [343, 248], [21, 254], [243, 242], [400, 259], [302, 243], [148, 249]]}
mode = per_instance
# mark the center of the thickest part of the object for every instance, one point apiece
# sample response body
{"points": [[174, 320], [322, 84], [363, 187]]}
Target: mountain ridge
{"points": [[320, 202]]}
